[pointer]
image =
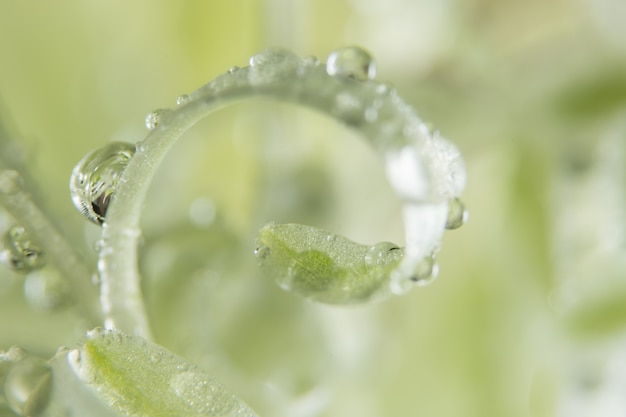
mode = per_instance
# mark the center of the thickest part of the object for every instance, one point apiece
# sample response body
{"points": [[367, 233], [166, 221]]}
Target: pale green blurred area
{"points": [[527, 90]]}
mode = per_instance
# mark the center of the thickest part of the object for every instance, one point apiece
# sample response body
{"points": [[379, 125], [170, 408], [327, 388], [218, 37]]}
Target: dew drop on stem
{"points": [[19, 253], [425, 271], [180, 100], [351, 62], [95, 179], [457, 214], [153, 119]]}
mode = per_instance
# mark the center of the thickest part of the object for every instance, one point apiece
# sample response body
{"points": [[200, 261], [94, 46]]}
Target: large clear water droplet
{"points": [[96, 176], [19, 253], [381, 253], [457, 214], [46, 289], [27, 386], [351, 62], [425, 271]]}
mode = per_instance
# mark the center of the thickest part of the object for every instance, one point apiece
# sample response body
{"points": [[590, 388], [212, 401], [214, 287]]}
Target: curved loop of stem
{"points": [[424, 171]]}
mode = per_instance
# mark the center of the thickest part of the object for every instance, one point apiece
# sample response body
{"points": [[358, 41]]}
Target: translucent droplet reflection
{"points": [[425, 271], [27, 386], [96, 176], [457, 214], [19, 253], [351, 62], [154, 118], [180, 100], [381, 253]]}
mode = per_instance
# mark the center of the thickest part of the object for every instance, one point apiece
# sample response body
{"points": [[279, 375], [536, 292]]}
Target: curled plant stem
{"points": [[371, 108], [19, 204]]}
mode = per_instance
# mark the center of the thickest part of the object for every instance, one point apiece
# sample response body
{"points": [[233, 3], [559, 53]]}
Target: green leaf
{"points": [[135, 377], [324, 267]]}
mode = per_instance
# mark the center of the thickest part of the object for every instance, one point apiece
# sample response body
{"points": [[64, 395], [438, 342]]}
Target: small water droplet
{"points": [[262, 252], [457, 214], [381, 253], [311, 61], [27, 386], [10, 181], [96, 176], [233, 69], [96, 332], [351, 62], [425, 271], [154, 118], [19, 253], [46, 289], [202, 212], [272, 55], [180, 100]]}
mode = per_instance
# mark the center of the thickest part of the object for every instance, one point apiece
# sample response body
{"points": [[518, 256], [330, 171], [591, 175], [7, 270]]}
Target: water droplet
{"points": [[27, 386], [457, 214], [272, 55], [233, 69], [19, 253], [46, 289], [351, 62], [202, 212], [262, 252], [10, 181], [425, 271], [96, 332], [154, 118], [180, 100], [311, 61], [96, 176], [381, 253]]}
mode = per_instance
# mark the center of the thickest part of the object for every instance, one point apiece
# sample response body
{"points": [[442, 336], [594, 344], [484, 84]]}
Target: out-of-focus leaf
{"points": [[137, 378]]}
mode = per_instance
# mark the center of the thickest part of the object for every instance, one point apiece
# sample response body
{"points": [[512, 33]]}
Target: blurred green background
{"points": [[527, 314]]}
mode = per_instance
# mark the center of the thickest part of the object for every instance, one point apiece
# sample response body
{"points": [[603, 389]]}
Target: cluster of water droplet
{"points": [[95, 178], [25, 383], [19, 253]]}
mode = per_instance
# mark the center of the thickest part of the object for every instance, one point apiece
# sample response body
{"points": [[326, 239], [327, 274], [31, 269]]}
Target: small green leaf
{"points": [[325, 267], [137, 378]]}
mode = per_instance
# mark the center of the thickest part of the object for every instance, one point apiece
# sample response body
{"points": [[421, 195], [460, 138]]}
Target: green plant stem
{"points": [[283, 77]]}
